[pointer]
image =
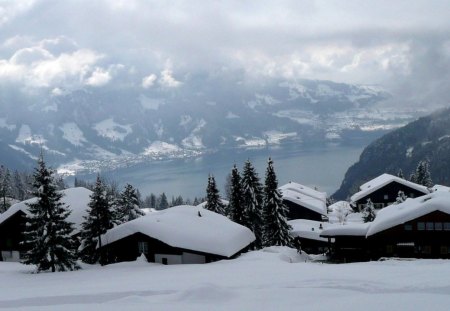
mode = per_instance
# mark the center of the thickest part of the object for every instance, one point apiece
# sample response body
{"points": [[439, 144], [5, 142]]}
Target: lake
{"points": [[321, 166]]}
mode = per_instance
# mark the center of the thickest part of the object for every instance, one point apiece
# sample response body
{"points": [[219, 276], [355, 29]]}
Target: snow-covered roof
{"points": [[76, 198], [308, 229], [314, 204], [224, 202], [353, 229], [441, 188], [398, 214], [301, 189], [342, 212], [381, 181], [181, 227], [394, 215]]}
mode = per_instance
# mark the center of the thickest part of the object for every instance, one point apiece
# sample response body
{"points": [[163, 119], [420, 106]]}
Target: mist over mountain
{"points": [[427, 138], [203, 114]]}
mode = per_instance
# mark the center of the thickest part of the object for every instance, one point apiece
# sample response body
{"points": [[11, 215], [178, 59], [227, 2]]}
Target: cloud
{"points": [[393, 43], [149, 81], [53, 62], [11, 9], [167, 79], [99, 77]]}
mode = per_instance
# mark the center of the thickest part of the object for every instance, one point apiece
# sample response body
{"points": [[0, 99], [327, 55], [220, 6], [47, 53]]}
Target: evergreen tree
{"points": [[128, 205], [163, 203], [252, 202], [401, 197], [422, 174], [19, 187], [236, 207], [400, 174], [276, 228], [100, 219], [213, 202], [368, 211], [48, 235], [5, 188]]}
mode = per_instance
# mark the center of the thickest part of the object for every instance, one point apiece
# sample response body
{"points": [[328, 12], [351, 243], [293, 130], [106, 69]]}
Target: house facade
{"points": [[416, 228], [383, 191]]}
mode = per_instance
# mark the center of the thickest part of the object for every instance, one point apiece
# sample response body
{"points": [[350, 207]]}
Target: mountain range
{"points": [[100, 127]]}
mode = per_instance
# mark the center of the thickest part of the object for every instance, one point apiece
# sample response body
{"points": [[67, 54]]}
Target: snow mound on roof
{"points": [[76, 199], [381, 181], [182, 227], [308, 229], [398, 214], [311, 203], [353, 229], [301, 189]]}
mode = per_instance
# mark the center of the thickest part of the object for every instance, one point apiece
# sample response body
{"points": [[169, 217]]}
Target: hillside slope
{"points": [[426, 138]]}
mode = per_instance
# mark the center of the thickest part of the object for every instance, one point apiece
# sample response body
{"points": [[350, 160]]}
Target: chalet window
{"points": [[164, 261], [430, 226], [411, 195], [143, 247], [444, 250], [408, 227], [427, 249], [438, 226], [420, 226], [447, 226], [386, 197]]}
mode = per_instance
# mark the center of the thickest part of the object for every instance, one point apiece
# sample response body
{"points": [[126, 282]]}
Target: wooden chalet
{"points": [[347, 243], [12, 222], [307, 234], [178, 235], [416, 228], [304, 202], [383, 191]]}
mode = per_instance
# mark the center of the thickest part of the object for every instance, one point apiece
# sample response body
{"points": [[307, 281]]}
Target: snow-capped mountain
{"points": [[115, 126]]}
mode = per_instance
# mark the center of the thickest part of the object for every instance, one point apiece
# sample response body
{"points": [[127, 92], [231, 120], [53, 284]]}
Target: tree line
{"points": [[253, 205], [50, 242]]}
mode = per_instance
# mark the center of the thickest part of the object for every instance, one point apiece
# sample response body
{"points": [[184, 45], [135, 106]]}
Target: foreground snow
{"points": [[274, 279]]}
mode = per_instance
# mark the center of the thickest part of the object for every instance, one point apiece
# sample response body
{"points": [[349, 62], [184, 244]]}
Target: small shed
{"points": [[177, 235], [307, 232], [304, 202]]}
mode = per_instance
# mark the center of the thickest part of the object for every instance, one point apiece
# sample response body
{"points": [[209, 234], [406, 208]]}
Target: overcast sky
{"points": [[57, 44]]}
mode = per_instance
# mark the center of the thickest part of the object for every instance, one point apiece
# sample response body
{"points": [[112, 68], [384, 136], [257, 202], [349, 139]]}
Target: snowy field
{"points": [[274, 279]]}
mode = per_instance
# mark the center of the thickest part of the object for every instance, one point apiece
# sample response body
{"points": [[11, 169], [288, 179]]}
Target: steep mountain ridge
{"points": [[426, 138]]}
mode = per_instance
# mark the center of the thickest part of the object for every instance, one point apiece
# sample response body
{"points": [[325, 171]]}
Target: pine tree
{"points": [[19, 187], [252, 202], [128, 205], [236, 207], [163, 203], [369, 211], [100, 219], [422, 174], [5, 188], [400, 174], [213, 202], [276, 228], [48, 235], [401, 197]]}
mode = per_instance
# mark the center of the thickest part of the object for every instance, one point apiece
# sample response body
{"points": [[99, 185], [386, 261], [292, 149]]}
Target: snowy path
{"points": [[257, 281]]}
